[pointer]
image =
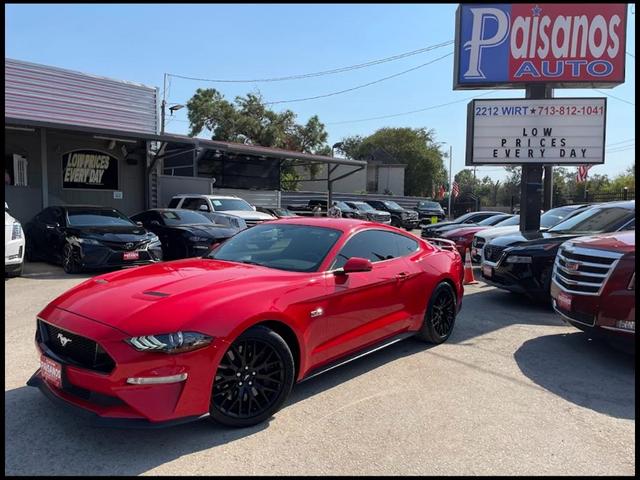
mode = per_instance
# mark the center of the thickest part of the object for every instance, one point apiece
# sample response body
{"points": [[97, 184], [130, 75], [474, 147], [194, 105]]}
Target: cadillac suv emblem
{"points": [[63, 340], [572, 265]]}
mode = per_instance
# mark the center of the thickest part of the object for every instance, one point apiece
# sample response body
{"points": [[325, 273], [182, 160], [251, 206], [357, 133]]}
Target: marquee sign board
{"points": [[89, 169], [558, 131], [579, 45]]}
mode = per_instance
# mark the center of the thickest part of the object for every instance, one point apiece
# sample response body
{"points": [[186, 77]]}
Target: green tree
{"points": [[248, 120], [414, 147]]}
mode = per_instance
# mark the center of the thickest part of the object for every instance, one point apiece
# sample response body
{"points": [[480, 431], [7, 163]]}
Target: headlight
{"points": [[632, 282], [458, 239], [16, 232], [88, 241], [518, 259], [178, 342], [200, 239], [404, 214]]}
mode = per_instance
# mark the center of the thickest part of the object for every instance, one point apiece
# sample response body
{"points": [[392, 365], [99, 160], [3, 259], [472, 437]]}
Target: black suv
{"points": [[427, 210], [400, 216]]}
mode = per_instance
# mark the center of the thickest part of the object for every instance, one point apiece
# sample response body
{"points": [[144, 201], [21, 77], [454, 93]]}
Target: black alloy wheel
{"points": [[69, 260], [440, 316], [253, 379]]}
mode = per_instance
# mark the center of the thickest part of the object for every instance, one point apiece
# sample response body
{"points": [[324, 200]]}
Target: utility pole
{"points": [[163, 105], [450, 177]]}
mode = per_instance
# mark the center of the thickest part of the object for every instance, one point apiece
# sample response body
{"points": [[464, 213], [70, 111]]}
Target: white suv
{"points": [[13, 244], [219, 203]]}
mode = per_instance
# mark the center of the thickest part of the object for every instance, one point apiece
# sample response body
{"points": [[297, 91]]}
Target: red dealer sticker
{"points": [[562, 44]]}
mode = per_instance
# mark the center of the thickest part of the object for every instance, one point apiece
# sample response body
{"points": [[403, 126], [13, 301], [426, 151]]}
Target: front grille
{"points": [[492, 253], [253, 223], [80, 351], [122, 246], [582, 270]]}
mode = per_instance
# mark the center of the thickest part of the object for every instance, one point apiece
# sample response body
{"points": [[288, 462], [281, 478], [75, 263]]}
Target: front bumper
{"points": [[14, 252], [427, 217], [102, 256], [106, 398], [515, 277], [410, 222]]}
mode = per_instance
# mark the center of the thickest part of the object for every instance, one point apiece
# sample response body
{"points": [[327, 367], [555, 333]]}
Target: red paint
{"points": [[223, 299], [463, 237]]}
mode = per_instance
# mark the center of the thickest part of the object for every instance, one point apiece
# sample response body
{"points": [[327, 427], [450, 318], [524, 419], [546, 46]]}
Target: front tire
{"points": [[440, 316], [69, 260], [253, 379]]}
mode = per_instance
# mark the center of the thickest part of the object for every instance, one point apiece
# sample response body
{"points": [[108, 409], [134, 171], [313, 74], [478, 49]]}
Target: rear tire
{"points": [[253, 379], [440, 315]]}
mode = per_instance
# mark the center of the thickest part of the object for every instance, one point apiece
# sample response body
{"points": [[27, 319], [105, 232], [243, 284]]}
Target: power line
{"points": [[321, 73], [623, 141], [621, 149], [410, 112], [359, 86], [630, 54], [613, 96]]}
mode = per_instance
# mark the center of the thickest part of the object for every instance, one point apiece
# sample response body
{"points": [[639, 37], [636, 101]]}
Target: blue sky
{"points": [[143, 42]]}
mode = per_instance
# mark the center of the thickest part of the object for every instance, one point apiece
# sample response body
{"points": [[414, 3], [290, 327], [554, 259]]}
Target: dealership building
{"points": [[75, 138]]}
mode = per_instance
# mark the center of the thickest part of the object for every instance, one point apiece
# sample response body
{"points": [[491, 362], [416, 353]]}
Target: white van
{"points": [[13, 245]]}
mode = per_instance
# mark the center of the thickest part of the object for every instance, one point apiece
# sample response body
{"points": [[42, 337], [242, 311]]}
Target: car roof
{"points": [[83, 207], [205, 195], [343, 224]]}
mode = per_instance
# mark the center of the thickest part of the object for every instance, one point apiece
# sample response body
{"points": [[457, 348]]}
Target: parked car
{"points": [[277, 212], [400, 216], [307, 209], [221, 203], [89, 237], [467, 218], [489, 221], [428, 209], [228, 335], [523, 262], [547, 220], [371, 213], [220, 218], [463, 235], [183, 233], [13, 245], [594, 282]]}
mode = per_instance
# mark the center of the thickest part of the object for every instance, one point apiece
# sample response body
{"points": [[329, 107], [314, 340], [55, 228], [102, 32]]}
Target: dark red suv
{"points": [[593, 284]]}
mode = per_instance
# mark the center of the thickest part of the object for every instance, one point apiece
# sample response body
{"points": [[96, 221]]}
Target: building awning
{"points": [[191, 142]]}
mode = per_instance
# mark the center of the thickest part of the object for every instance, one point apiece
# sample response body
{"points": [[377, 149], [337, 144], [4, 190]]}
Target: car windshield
{"points": [[393, 205], [594, 220], [295, 248], [343, 206], [554, 216], [491, 220], [363, 206], [98, 218], [509, 222], [223, 204], [183, 217], [428, 205], [463, 218]]}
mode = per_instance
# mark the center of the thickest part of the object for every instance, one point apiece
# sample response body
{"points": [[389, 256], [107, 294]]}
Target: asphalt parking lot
{"points": [[513, 392]]}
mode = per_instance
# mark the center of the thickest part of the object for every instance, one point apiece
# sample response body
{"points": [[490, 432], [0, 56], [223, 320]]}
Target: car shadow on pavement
{"points": [[40, 439], [46, 271], [588, 373]]}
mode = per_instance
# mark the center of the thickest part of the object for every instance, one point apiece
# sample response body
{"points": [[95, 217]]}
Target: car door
{"points": [[364, 307], [51, 235]]}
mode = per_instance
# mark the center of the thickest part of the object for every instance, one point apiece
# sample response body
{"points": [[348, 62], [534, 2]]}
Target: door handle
{"points": [[402, 276]]}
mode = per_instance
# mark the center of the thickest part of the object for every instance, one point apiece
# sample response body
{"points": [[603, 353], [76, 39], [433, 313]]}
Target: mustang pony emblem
{"points": [[63, 340]]}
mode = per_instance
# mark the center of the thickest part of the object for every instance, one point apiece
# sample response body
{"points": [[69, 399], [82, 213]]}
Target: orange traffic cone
{"points": [[468, 270]]}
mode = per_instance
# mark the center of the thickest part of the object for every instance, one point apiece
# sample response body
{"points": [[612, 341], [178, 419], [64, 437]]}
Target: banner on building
{"points": [[89, 169], [558, 131], [579, 45]]}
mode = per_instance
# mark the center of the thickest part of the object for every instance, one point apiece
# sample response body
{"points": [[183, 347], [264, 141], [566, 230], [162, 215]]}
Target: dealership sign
{"points": [[89, 169], [562, 45], [559, 131]]}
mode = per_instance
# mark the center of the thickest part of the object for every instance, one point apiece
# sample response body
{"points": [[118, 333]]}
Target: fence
{"points": [[597, 197]]}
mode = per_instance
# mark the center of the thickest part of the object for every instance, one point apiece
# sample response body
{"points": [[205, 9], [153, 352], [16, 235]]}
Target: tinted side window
{"points": [[194, 203], [174, 203], [375, 245], [405, 245], [630, 226]]}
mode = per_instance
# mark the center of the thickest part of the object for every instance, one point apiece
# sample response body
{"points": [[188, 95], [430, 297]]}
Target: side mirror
{"points": [[139, 224], [357, 264], [155, 222], [203, 208], [254, 208]]}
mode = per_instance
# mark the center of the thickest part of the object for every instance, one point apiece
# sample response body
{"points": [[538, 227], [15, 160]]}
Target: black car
{"points": [[400, 216], [523, 262], [370, 213], [277, 212], [184, 233], [428, 209], [467, 218], [89, 237]]}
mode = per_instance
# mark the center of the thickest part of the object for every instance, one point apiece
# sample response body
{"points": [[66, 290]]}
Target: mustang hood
{"points": [[134, 301]]}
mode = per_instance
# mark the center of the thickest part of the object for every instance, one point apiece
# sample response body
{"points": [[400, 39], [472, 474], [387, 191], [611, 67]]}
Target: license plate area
{"points": [[487, 271], [130, 255], [564, 301], [51, 371]]}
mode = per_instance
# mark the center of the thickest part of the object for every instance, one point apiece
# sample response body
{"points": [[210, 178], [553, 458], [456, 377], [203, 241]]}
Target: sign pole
{"points": [[531, 182], [450, 179]]}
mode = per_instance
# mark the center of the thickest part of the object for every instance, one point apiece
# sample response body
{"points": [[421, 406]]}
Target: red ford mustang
{"points": [[227, 335]]}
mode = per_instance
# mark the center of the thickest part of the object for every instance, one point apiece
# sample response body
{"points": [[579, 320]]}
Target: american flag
{"points": [[441, 192], [455, 190], [583, 170]]}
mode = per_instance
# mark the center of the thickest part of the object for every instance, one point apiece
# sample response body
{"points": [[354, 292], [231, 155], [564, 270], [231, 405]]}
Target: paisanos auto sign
{"points": [[566, 45]]}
